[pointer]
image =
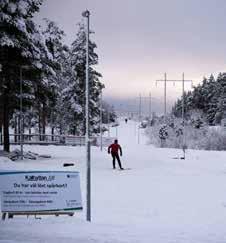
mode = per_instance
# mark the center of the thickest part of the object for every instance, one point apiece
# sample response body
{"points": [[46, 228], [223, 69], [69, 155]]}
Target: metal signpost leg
{"points": [[86, 14]]}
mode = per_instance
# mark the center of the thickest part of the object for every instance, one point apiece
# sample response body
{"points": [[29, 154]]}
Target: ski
{"points": [[125, 169]]}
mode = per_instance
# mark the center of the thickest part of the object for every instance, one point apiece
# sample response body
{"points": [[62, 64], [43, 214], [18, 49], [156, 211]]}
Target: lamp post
{"points": [[86, 15]]}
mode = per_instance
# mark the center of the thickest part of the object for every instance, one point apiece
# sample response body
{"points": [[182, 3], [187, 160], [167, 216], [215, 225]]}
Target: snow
{"points": [[12, 8], [23, 7], [5, 41], [160, 200]]}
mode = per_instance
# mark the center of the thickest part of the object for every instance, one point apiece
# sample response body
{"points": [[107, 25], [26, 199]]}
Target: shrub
{"points": [[207, 138]]}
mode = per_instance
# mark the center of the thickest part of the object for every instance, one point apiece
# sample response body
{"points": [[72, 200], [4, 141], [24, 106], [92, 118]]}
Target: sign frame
{"points": [[22, 192]]}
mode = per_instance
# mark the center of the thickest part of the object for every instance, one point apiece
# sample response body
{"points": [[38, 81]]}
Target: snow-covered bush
{"points": [[163, 135], [215, 139], [205, 137]]}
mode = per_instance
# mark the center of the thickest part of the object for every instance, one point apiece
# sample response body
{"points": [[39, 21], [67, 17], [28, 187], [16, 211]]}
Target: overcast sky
{"points": [[139, 40]]}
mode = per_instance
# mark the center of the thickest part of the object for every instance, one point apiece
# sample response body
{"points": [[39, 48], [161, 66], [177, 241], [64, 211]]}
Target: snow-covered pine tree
{"points": [[63, 112], [75, 92], [21, 44], [188, 101], [205, 94], [176, 110], [109, 114], [208, 97], [51, 101], [196, 97], [221, 105], [212, 100]]}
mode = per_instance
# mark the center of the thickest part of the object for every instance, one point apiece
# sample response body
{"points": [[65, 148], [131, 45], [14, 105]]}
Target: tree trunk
{"points": [[29, 129], [60, 129], [43, 121], [39, 124], [6, 125], [52, 133], [1, 123], [15, 129], [1, 134]]}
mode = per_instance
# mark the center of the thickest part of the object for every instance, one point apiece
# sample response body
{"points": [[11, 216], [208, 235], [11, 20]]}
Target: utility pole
{"points": [[86, 14], [174, 81], [140, 111], [108, 114], [165, 96], [150, 106], [138, 137], [164, 80], [140, 107], [183, 97]]}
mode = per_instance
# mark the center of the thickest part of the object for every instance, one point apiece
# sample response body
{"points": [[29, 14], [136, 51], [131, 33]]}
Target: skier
{"points": [[113, 149], [126, 120]]}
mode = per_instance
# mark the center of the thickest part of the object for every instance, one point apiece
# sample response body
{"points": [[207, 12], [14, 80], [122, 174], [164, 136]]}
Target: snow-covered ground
{"points": [[160, 200]]}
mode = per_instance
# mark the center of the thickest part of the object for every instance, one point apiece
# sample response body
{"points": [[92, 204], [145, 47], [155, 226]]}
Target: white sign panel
{"points": [[31, 191]]}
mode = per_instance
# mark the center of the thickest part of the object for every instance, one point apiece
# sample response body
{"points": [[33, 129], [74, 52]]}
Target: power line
{"points": [[165, 80]]}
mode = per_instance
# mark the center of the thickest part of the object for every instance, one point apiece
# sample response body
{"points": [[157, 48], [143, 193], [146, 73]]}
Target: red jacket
{"points": [[113, 148]]}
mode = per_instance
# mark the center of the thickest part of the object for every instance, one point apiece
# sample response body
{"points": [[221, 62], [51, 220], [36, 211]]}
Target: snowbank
{"points": [[160, 200]]}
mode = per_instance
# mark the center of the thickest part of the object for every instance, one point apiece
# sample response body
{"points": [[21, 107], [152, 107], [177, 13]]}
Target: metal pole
{"points": [[139, 120], [108, 112], [135, 125], [101, 138], [135, 119], [86, 14], [183, 98], [183, 81], [165, 96], [21, 122], [150, 105], [140, 108], [184, 137]]}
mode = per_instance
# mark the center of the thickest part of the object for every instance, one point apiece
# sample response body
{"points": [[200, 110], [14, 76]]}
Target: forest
{"points": [[44, 76]]}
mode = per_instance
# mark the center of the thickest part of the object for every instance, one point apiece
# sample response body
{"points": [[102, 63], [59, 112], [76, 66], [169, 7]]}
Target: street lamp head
{"points": [[86, 14]]}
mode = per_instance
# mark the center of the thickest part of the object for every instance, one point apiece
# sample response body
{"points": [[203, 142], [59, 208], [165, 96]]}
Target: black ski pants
{"points": [[116, 156]]}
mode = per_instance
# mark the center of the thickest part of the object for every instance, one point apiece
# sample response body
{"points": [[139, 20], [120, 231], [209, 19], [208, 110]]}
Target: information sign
{"points": [[38, 191]]}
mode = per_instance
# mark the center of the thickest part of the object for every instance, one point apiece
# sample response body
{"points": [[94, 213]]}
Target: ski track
{"points": [[160, 200]]}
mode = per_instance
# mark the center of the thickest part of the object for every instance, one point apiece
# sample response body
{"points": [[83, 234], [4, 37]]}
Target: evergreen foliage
{"points": [[52, 74], [75, 91], [21, 46], [208, 97]]}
